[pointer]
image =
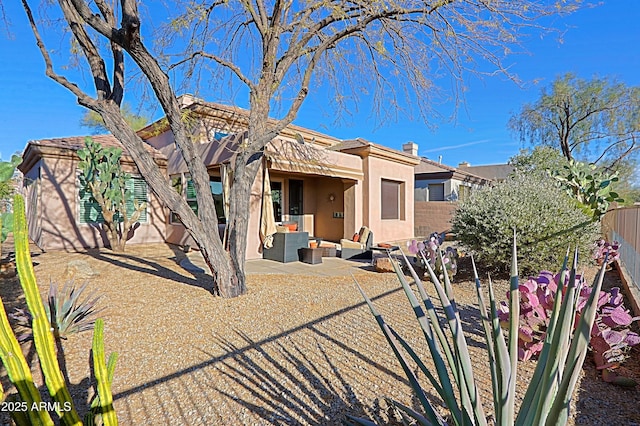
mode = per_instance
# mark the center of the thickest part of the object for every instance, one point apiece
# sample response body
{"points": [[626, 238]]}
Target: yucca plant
{"points": [[547, 398]]}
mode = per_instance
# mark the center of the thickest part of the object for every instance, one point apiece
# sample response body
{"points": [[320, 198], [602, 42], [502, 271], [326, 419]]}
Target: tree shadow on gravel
{"points": [[146, 266], [282, 379], [287, 386], [472, 326]]}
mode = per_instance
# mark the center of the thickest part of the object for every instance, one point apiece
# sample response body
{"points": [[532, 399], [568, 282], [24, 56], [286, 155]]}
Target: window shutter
{"points": [[390, 199], [90, 211], [191, 190], [138, 188]]}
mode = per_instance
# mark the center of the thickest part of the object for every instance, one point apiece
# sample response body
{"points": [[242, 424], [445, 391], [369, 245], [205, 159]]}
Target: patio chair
{"points": [[285, 245], [359, 247]]}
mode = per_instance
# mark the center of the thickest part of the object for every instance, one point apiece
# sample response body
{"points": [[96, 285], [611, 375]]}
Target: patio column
{"points": [[352, 207]]}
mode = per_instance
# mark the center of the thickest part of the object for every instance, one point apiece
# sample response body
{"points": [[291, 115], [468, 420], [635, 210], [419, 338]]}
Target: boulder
{"points": [[80, 270], [383, 264]]}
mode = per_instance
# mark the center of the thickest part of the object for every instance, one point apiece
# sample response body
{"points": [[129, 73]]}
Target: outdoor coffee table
{"points": [[386, 250], [310, 255]]}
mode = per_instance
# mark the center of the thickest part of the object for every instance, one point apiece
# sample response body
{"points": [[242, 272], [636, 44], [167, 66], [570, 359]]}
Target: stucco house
{"points": [[493, 172], [59, 214], [330, 187]]}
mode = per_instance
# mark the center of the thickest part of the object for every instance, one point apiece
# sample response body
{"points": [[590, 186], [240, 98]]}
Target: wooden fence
{"points": [[623, 225]]}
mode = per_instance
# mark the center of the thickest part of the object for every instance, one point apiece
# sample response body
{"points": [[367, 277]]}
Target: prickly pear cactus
{"points": [[102, 176]]}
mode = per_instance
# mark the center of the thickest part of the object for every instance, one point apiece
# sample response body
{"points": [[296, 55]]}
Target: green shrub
{"points": [[545, 218]]}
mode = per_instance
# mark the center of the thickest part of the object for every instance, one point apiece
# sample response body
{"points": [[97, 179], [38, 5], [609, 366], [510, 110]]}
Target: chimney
{"points": [[464, 164], [410, 148]]}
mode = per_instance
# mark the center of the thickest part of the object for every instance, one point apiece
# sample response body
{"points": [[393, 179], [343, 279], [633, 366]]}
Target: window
{"points": [[215, 184], [219, 135], [436, 192], [176, 183], [392, 199], [420, 192], [276, 197], [464, 192], [90, 211]]}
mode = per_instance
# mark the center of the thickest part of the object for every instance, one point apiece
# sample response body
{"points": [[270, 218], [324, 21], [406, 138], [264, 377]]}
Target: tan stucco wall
{"points": [[58, 211], [377, 169]]}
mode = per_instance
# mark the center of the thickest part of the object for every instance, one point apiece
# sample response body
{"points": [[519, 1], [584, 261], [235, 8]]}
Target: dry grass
{"points": [[294, 350]]}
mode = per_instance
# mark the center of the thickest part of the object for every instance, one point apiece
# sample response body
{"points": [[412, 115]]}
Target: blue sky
{"points": [[603, 41]]}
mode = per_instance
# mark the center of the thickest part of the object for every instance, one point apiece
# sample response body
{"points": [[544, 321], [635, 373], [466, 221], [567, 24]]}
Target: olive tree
{"points": [[276, 52]]}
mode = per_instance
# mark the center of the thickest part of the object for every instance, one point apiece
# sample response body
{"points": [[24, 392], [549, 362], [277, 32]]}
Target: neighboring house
{"points": [[438, 187], [62, 216], [328, 186], [493, 172]]}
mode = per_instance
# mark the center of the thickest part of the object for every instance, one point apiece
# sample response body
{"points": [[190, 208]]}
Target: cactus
{"points": [[104, 377], [590, 186], [13, 358], [19, 372], [42, 336], [103, 177]]}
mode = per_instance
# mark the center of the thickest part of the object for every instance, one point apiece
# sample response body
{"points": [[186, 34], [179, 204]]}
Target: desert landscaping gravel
{"points": [[295, 349]]}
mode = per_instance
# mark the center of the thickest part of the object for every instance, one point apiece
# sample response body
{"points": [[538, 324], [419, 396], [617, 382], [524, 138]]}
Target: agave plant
{"points": [[547, 398], [67, 310]]}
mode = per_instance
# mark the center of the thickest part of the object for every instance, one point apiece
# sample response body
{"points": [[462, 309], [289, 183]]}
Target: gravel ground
{"points": [[294, 350]]}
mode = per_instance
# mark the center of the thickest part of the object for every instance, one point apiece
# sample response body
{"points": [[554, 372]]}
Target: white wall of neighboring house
{"points": [[452, 191]]}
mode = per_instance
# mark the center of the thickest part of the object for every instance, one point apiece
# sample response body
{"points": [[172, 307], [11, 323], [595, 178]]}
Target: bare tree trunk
{"points": [[228, 273]]}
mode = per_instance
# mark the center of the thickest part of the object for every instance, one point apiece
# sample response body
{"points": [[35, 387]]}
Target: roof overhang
{"points": [[236, 120], [34, 152], [383, 152], [292, 157]]}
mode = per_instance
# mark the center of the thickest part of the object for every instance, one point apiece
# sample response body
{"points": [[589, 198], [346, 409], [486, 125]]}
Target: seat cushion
{"points": [[364, 235], [344, 243]]}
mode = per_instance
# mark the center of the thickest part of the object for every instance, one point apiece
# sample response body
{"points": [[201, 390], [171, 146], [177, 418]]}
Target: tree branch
{"points": [[227, 64], [49, 71]]}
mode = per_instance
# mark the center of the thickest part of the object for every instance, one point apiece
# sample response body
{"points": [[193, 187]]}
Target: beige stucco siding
{"points": [[58, 225], [377, 169]]}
